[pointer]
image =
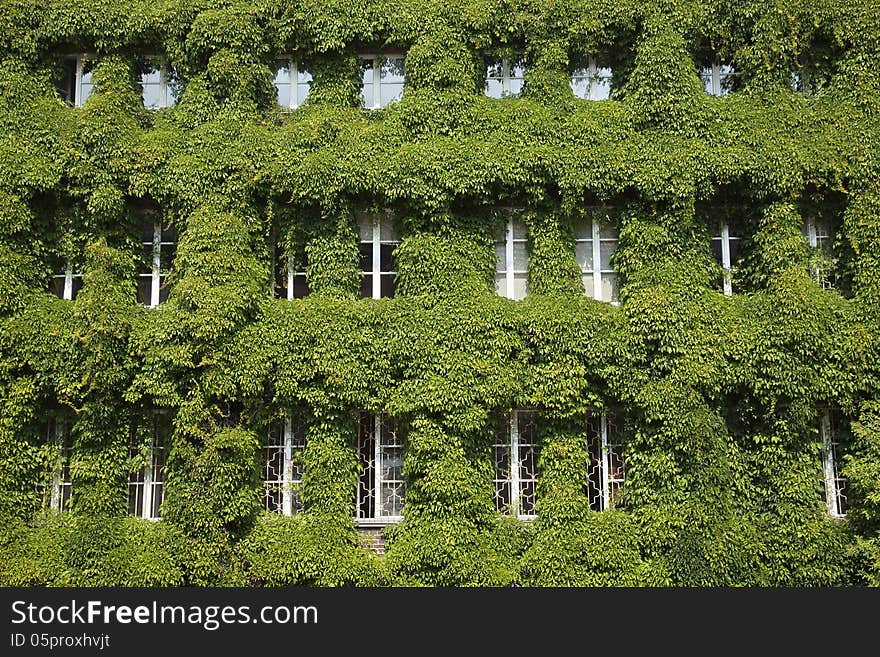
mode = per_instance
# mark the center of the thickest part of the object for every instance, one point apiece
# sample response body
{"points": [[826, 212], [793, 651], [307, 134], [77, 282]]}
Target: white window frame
{"points": [[725, 238], [165, 99], [68, 276], [377, 480], [290, 499], [607, 483], [293, 82], [376, 69], [79, 101], [509, 271], [506, 77], [592, 78], [834, 498], [513, 478], [156, 272], [376, 242], [596, 241], [150, 481], [713, 76], [59, 437], [816, 235]]}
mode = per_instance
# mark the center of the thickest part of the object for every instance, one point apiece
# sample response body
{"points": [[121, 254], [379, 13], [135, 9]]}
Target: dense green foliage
{"points": [[719, 394]]}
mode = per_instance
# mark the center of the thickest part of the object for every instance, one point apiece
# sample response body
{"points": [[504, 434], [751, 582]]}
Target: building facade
{"points": [[384, 298]]}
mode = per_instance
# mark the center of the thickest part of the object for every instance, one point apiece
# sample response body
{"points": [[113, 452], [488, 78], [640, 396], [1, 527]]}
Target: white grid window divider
{"points": [[59, 438]]}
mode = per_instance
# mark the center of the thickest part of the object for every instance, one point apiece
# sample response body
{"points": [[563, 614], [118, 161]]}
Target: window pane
{"points": [[605, 251], [386, 257], [734, 250], [145, 290], [494, 88], [367, 286], [520, 286], [515, 86], [583, 252], [716, 251], [366, 253], [389, 93], [300, 286], [388, 285], [609, 287], [500, 256], [588, 285], [520, 257], [580, 86]]}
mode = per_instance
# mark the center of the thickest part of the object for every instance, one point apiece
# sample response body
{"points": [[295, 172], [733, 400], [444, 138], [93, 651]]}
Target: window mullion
{"points": [[597, 261], [378, 510], [77, 92], [294, 77], [286, 492], [377, 257], [377, 77], [147, 499], [509, 267], [68, 282], [606, 463], [514, 463], [157, 263], [290, 278], [725, 259], [828, 466]]}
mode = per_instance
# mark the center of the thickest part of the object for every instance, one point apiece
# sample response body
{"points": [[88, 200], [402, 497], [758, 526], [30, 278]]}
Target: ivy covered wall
{"points": [[719, 395]]}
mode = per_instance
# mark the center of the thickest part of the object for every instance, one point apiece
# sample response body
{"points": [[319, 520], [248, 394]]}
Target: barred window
{"points": [[831, 430], [383, 80], [58, 436], [591, 80], [821, 243], [381, 488], [282, 466], [515, 453], [146, 484], [378, 241], [157, 83], [594, 243], [607, 468], [292, 82], [159, 245], [717, 78], [725, 250], [505, 77], [512, 260]]}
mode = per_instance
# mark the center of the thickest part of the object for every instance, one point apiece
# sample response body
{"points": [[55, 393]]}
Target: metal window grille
{"points": [[58, 435], [594, 243], [381, 487], [515, 453], [607, 468], [282, 466], [835, 488], [146, 485]]}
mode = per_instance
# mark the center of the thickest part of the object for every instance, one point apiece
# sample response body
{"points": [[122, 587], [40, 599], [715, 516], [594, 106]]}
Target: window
{"points": [[515, 453], [594, 242], [383, 80], [282, 466], [59, 438], [504, 77], [607, 467], [156, 82], [717, 78], [381, 488], [75, 84], [590, 80], [725, 250], [835, 489], [159, 245], [65, 283], [821, 260], [378, 240], [290, 281], [146, 484], [511, 258], [292, 82]]}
